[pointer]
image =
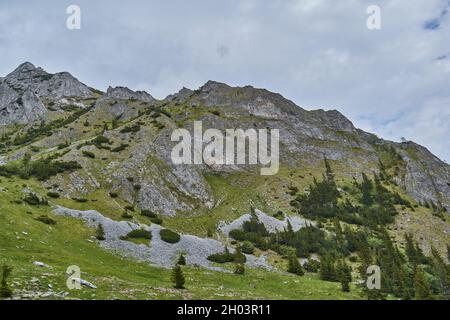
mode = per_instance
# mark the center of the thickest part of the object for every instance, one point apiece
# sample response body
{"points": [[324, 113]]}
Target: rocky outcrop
{"points": [[124, 93], [158, 252], [21, 92]]}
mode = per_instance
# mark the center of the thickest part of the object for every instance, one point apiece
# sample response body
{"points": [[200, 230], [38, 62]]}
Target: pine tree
{"points": [[345, 276], [422, 290], [5, 290], [239, 269], [181, 260], [294, 266], [448, 253], [177, 277], [100, 232], [327, 268], [442, 273], [366, 188], [238, 256], [328, 171]]}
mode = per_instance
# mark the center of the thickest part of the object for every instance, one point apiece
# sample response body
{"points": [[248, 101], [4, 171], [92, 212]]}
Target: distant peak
{"points": [[26, 66]]}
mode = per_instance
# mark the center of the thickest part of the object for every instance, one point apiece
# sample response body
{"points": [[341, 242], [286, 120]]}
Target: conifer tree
{"points": [[442, 273], [294, 266], [448, 253], [366, 189], [238, 256], [177, 277], [345, 276], [181, 260], [5, 290], [327, 268], [239, 269], [100, 232], [422, 290]]}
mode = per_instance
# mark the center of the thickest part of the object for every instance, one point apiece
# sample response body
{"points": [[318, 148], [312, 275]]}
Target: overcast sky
{"points": [[394, 82]]}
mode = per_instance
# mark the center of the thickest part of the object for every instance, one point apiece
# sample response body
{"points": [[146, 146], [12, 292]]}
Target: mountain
{"points": [[111, 152]]}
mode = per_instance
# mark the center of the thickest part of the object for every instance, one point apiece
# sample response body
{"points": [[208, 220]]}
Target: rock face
{"points": [[305, 137], [21, 92], [158, 252], [125, 93]]}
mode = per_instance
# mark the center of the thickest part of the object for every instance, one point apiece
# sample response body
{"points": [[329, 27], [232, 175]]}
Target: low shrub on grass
{"points": [[52, 194], [169, 236], [139, 234], [34, 200], [46, 219], [88, 154]]}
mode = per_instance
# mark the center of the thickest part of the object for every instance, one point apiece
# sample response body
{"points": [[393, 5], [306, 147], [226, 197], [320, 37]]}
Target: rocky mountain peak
{"points": [[124, 93], [44, 84]]}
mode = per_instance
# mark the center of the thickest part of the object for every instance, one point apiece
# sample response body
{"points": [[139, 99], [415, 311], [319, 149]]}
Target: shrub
{"points": [[122, 147], [224, 257], [88, 154], [157, 220], [239, 257], [81, 200], [113, 194], [148, 213], [33, 200], [312, 265], [238, 234], [53, 194], [169, 236], [247, 247], [181, 260], [177, 277], [294, 266], [46, 219], [100, 232], [139, 234], [5, 290], [126, 215], [239, 269], [129, 208]]}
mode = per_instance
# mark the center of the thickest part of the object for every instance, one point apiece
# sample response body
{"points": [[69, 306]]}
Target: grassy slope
{"points": [[66, 244]]}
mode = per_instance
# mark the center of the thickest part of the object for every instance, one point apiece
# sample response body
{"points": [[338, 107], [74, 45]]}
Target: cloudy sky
{"points": [[394, 82]]}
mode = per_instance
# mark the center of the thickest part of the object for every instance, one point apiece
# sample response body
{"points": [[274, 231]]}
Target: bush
{"points": [[81, 200], [149, 214], [247, 247], [157, 220], [238, 234], [88, 154], [169, 236], [139, 234], [113, 194], [312, 265], [239, 269], [177, 277], [122, 147], [54, 195], [46, 219], [33, 200], [126, 215], [239, 257], [224, 257], [5, 290], [100, 232], [181, 260]]}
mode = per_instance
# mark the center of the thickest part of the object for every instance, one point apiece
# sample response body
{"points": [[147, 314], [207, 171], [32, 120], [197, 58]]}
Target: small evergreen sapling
{"points": [[5, 290], [100, 232], [177, 277], [181, 260], [294, 266]]}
